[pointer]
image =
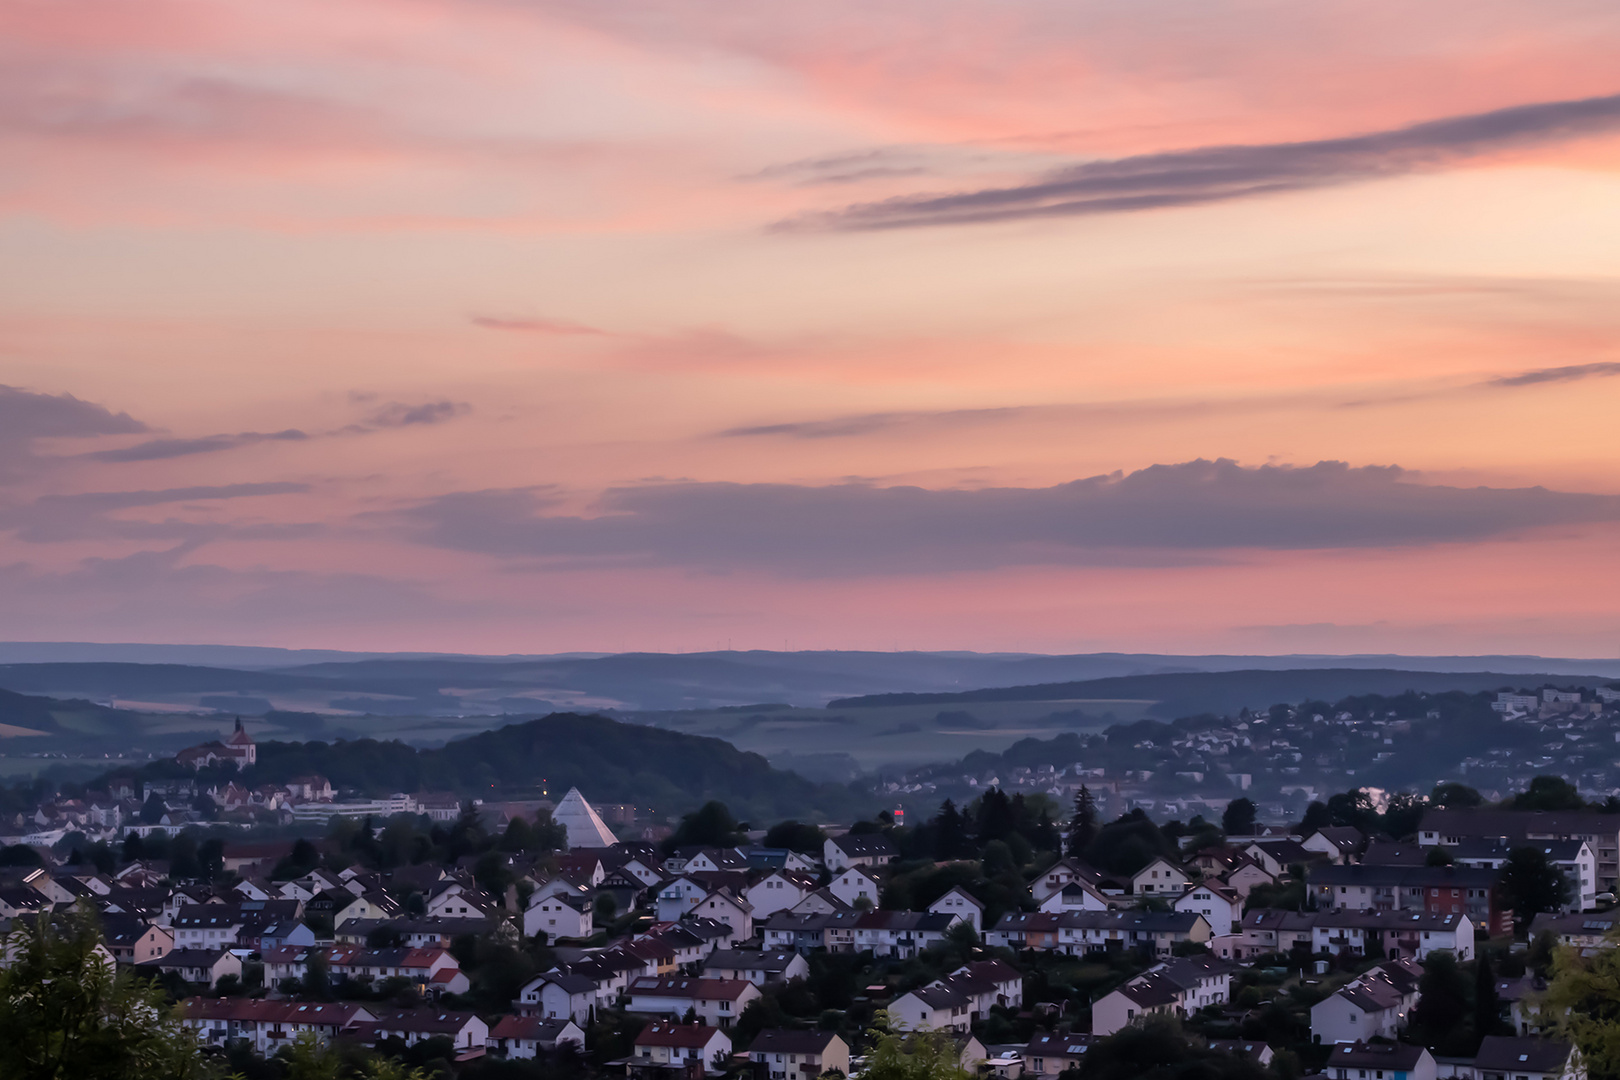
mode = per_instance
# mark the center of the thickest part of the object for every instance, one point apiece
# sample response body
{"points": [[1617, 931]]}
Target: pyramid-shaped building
{"points": [[585, 827]]}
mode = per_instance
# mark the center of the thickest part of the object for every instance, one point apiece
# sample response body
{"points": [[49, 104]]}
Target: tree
{"points": [[1238, 820], [921, 1055], [1530, 884], [1082, 828], [1455, 796], [1160, 1050], [1582, 1004], [152, 810], [1487, 1003], [66, 1015], [1442, 1000], [711, 825], [1549, 793], [797, 836], [1316, 817], [950, 833]]}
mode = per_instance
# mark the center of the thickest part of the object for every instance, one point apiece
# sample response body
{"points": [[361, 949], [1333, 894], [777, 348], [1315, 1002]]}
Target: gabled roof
{"points": [[785, 1041], [685, 987], [1398, 1056], [666, 1033], [1508, 1054], [865, 846], [1062, 1044]]}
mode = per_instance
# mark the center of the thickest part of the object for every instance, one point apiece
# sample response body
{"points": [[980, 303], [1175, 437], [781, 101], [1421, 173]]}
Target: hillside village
{"points": [[459, 940], [1290, 755]]}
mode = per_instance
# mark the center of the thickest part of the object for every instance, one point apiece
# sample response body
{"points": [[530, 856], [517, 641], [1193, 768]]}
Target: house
{"points": [[834, 931], [867, 849], [17, 900], [755, 966], [464, 1029], [901, 934], [1574, 857], [1439, 890], [1277, 857], [779, 891], [268, 1025], [556, 996], [527, 1036], [1153, 932], [1247, 876], [1078, 896], [677, 897], [960, 903], [706, 860], [722, 905], [855, 885], [798, 1055], [1047, 1055], [1379, 1061], [1583, 931], [1179, 987], [1504, 1057], [1373, 1005], [1158, 878], [454, 899], [820, 902], [200, 967], [132, 939], [1269, 930], [1340, 843], [717, 1002], [559, 917], [665, 1044], [1060, 874], [1261, 1053], [1395, 933], [956, 1001], [1512, 827], [1220, 905]]}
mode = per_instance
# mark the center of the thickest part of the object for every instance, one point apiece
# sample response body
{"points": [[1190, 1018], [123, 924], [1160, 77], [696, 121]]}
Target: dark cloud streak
{"points": [[1222, 173], [1194, 512]]}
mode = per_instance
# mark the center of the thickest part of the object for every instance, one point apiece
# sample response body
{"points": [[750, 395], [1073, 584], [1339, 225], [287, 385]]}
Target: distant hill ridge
{"points": [[1188, 693]]}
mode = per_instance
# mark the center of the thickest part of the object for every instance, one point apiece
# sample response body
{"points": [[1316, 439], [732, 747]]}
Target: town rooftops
{"points": [[339, 1014], [1518, 824], [749, 960]]}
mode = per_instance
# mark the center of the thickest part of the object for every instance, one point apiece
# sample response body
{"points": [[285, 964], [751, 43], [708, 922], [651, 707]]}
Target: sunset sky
{"points": [[545, 325]]}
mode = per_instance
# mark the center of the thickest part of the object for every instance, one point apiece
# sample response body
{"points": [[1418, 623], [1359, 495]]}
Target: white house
{"points": [[677, 897], [1158, 878], [854, 885], [1392, 1061], [722, 905], [555, 996], [959, 999], [1220, 905], [717, 1002], [559, 917], [868, 849], [1179, 987], [667, 1045], [779, 891], [526, 1036], [1372, 1006], [960, 903]]}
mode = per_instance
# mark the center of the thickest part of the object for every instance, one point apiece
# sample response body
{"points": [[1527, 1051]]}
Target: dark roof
{"points": [[1518, 824], [749, 960], [667, 1033], [1398, 1056], [784, 1041], [1409, 876], [866, 845], [1062, 1044], [1507, 1053]]}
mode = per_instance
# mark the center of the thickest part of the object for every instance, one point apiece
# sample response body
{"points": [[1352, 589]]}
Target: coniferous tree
{"points": [[1487, 1005], [1083, 826], [950, 833]]}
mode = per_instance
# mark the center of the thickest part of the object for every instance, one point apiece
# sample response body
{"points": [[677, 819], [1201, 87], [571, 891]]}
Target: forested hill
{"points": [[1189, 693], [610, 762]]}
